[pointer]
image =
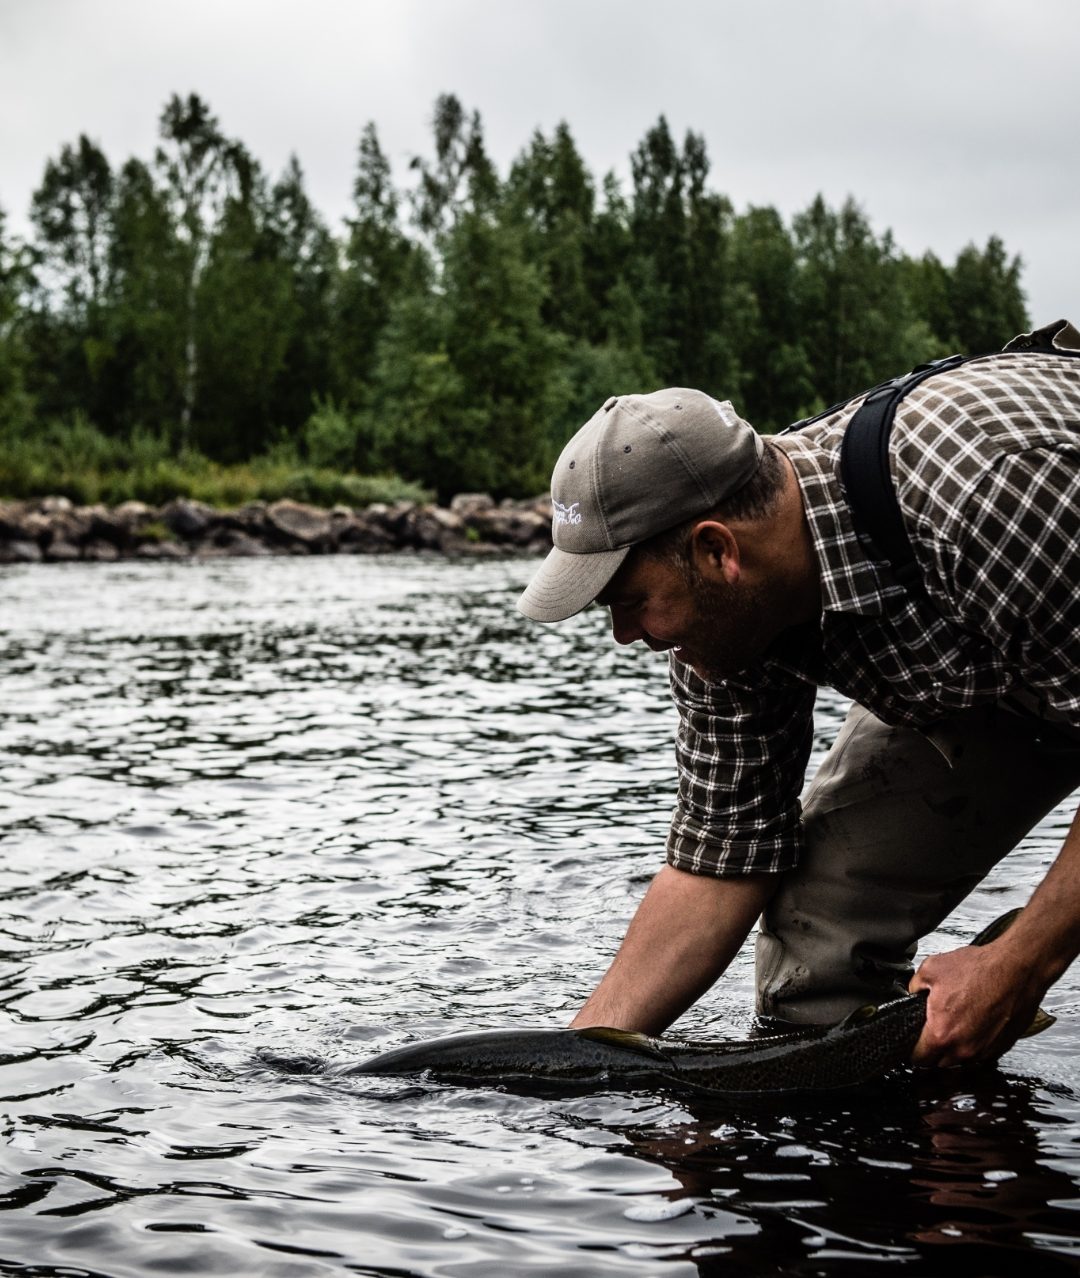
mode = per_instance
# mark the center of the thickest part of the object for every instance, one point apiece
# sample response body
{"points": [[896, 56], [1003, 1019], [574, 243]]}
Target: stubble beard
{"points": [[732, 627]]}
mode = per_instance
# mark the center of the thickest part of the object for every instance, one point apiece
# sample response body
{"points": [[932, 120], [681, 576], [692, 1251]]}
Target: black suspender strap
{"points": [[867, 481], [864, 455]]}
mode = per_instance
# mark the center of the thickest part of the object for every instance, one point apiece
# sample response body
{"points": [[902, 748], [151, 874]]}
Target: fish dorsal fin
{"points": [[859, 1017], [998, 928], [626, 1040]]}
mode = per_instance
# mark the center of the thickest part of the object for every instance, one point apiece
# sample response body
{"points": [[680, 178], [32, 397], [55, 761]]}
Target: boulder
{"points": [[188, 519], [294, 522], [362, 535], [157, 550], [391, 519], [109, 525], [473, 524], [466, 504], [35, 526], [134, 512], [250, 518], [20, 552], [68, 525], [100, 552], [11, 515], [233, 543], [19, 521], [55, 505], [514, 527], [61, 552]]}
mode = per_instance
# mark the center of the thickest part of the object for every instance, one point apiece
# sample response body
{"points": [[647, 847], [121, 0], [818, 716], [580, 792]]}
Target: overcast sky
{"points": [[948, 120]]}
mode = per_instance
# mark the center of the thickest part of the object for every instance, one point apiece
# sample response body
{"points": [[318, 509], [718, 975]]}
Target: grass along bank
{"points": [[76, 460]]}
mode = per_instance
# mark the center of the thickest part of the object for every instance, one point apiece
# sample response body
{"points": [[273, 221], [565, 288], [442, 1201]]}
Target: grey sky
{"points": [[948, 120]]}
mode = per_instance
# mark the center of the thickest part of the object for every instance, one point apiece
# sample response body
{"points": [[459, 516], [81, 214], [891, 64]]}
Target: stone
{"points": [[36, 526], [71, 525], [55, 505], [107, 525], [392, 519], [363, 536], [466, 504], [473, 524], [186, 518], [133, 512], [11, 517], [427, 526], [20, 552], [61, 552], [307, 525], [100, 552], [233, 543], [157, 550]]}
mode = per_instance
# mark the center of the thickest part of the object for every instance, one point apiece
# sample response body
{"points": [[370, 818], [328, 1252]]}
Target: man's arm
{"points": [[982, 999], [686, 931]]}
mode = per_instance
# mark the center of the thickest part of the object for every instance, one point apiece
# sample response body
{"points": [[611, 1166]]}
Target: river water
{"points": [[328, 806]]}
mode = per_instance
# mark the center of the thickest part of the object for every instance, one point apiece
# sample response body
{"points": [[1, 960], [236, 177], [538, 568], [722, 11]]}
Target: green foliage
{"points": [[15, 277], [378, 261], [73, 459], [985, 298], [226, 344], [331, 437], [156, 530]]}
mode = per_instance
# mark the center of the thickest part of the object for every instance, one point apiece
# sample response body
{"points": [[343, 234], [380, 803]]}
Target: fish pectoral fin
{"points": [[859, 1017], [627, 1040], [1040, 1021]]}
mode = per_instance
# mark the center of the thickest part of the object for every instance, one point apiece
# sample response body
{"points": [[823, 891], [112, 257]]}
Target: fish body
{"points": [[867, 1044]]}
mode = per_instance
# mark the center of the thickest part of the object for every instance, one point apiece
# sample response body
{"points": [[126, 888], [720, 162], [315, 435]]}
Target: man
{"points": [[738, 557]]}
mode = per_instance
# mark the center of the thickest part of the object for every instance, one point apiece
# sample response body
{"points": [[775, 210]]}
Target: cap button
{"points": [[610, 404]]}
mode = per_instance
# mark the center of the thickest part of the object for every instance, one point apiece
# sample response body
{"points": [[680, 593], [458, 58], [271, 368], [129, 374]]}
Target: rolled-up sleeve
{"points": [[742, 751]]}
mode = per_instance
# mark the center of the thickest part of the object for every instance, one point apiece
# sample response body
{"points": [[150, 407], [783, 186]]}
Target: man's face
{"points": [[715, 628]]}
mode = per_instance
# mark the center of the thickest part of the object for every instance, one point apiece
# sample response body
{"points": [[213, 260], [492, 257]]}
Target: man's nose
{"points": [[625, 627]]}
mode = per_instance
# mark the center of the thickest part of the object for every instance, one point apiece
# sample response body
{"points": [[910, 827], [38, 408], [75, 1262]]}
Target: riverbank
{"points": [[55, 530]]}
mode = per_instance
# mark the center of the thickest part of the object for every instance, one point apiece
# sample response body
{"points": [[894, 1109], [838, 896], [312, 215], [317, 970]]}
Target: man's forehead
{"points": [[625, 581]]}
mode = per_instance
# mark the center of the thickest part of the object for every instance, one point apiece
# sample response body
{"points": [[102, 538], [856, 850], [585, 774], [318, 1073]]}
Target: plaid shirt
{"points": [[985, 463]]}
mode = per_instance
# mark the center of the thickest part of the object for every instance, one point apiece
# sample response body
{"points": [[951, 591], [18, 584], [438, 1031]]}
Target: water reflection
{"points": [[918, 1163], [326, 807]]}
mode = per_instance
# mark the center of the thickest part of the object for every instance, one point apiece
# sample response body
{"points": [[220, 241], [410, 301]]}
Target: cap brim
{"points": [[568, 583]]}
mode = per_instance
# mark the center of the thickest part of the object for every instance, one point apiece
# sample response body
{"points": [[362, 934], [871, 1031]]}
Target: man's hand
{"points": [[981, 1001], [983, 998]]}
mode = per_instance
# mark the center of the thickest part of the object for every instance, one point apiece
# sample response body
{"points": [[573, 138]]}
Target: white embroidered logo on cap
{"points": [[565, 514]]}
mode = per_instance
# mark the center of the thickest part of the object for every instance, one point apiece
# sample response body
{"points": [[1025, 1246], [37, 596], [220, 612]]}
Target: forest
{"points": [[189, 324]]}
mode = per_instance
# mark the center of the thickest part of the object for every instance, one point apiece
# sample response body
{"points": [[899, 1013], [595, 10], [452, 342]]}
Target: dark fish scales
{"points": [[869, 1043]]}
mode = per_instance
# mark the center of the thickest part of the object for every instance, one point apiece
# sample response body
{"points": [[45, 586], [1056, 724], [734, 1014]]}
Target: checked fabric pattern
{"points": [[986, 464]]}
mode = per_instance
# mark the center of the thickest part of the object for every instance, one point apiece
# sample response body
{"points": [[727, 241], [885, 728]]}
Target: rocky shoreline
{"points": [[53, 530]]}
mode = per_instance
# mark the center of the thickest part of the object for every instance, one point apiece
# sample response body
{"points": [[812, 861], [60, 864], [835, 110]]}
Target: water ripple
{"points": [[319, 808]]}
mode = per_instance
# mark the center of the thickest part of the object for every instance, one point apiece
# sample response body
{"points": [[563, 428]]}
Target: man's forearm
{"points": [[686, 931], [1046, 936], [982, 998]]}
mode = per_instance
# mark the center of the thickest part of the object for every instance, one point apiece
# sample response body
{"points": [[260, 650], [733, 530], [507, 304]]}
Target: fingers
{"points": [[970, 1019]]}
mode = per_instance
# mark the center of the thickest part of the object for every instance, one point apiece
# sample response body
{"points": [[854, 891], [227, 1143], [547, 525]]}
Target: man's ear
{"points": [[715, 552]]}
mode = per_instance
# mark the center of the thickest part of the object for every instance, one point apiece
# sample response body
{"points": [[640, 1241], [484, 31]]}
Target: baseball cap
{"points": [[640, 465]]}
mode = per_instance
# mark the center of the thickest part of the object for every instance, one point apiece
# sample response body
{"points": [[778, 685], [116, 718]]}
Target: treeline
{"points": [[457, 328]]}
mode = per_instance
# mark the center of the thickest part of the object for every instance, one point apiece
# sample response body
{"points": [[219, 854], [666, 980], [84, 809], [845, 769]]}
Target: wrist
{"points": [[1036, 956]]}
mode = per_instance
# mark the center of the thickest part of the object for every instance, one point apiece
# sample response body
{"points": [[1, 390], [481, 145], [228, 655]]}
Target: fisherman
{"points": [[738, 557]]}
